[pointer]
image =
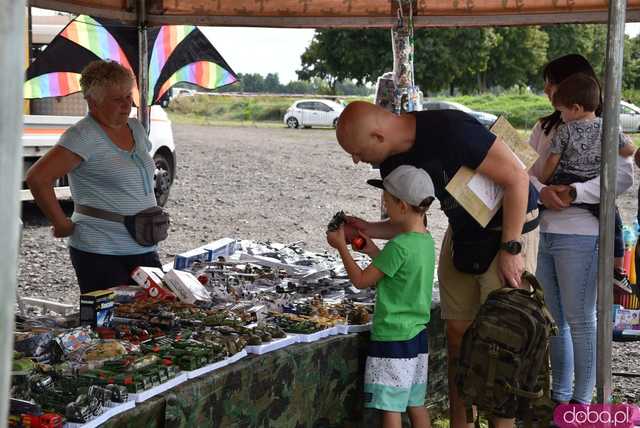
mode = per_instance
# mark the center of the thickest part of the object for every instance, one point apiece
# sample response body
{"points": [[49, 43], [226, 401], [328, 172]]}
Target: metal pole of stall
{"points": [[611, 110], [12, 27], [143, 64]]}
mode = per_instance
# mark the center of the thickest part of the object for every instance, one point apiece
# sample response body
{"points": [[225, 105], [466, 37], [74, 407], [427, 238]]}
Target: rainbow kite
{"points": [[179, 53]]}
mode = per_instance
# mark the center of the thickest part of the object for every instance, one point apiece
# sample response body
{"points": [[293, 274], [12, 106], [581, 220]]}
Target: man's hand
{"points": [[336, 238], [359, 224], [510, 268], [63, 229], [550, 196]]}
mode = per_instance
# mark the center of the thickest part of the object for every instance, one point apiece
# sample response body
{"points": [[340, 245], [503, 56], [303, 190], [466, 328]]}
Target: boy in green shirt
{"points": [[402, 272]]}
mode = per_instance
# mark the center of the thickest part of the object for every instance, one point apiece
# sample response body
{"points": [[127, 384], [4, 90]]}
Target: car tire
{"points": [[163, 178], [335, 123], [292, 123]]}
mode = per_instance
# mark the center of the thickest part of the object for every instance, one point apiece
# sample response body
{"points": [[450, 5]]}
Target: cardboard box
{"points": [[626, 319], [207, 253], [185, 286], [96, 308], [150, 279]]}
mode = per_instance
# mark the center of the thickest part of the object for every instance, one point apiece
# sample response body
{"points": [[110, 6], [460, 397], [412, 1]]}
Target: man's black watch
{"points": [[512, 247], [573, 194]]}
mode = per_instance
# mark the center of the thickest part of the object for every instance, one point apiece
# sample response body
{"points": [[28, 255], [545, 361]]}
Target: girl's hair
{"points": [[558, 70]]}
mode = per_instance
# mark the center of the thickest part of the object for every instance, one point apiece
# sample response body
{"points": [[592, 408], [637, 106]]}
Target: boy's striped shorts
{"points": [[396, 374]]}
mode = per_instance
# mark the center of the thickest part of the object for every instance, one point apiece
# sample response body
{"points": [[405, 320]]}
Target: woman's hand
{"points": [[64, 229], [336, 238], [555, 197]]}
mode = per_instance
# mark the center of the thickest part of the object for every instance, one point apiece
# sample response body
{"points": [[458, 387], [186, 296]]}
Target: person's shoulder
{"points": [[83, 130], [412, 239]]}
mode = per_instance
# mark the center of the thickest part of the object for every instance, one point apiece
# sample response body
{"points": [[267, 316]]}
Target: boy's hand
{"points": [[336, 238], [370, 248]]}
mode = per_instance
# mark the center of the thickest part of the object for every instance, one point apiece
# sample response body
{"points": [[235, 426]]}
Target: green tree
{"points": [[518, 56], [252, 82], [631, 66], [336, 55], [272, 83]]}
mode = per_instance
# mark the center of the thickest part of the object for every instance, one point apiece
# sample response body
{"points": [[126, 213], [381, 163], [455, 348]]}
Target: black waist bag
{"points": [[474, 252], [147, 228]]}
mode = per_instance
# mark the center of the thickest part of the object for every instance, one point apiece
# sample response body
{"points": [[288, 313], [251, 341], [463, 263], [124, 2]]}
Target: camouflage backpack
{"points": [[503, 366]]}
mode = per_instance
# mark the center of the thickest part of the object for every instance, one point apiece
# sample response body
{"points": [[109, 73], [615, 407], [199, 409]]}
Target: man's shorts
{"points": [[395, 375], [461, 294]]}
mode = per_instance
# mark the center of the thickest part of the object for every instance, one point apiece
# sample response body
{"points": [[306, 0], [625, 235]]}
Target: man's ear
{"points": [[577, 108], [377, 136]]}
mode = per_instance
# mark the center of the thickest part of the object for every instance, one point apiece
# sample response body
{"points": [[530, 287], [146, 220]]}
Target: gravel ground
{"points": [[257, 183]]}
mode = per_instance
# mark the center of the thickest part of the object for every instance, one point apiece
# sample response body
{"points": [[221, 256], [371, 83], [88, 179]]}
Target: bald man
{"points": [[440, 142]]}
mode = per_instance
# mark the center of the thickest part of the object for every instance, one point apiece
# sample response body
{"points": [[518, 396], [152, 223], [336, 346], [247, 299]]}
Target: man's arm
{"points": [[377, 230], [501, 166]]}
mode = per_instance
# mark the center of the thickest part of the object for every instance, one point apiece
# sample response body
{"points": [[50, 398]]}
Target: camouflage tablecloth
{"points": [[315, 385]]}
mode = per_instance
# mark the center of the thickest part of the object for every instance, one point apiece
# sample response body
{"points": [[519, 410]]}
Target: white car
{"points": [[486, 119], [629, 117], [308, 113]]}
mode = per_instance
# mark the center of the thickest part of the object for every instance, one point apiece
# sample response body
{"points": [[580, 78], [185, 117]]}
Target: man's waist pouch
{"points": [[474, 252], [147, 228]]}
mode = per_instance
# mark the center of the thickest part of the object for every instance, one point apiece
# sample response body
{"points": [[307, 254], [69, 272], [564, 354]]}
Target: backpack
{"points": [[503, 366]]}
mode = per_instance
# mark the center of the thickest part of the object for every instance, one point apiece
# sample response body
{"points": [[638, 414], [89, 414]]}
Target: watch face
{"points": [[512, 247]]}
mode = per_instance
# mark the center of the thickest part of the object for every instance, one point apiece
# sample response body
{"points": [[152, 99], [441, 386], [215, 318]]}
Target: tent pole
{"points": [[12, 36], [143, 65], [611, 112]]}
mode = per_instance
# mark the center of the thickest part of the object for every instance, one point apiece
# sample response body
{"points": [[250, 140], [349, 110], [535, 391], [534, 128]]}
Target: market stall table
{"points": [[316, 384]]}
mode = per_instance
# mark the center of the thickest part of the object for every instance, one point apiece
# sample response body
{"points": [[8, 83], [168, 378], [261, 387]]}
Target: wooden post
{"points": [[12, 27], [612, 86]]}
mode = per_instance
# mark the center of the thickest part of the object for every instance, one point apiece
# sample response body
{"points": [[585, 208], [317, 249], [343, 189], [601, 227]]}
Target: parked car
{"points": [[486, 119], [308, 113], [629, 117]]}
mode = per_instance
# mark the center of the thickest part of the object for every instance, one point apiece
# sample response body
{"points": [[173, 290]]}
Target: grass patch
{"points": [[522, 110]]}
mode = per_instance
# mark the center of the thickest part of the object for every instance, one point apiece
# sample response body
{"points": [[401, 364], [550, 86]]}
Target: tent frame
{"points": [[12, 22]]}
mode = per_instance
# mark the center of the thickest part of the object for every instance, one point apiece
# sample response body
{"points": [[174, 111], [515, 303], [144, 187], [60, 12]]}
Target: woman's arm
{"points": [[589, 191], [56, 163]]}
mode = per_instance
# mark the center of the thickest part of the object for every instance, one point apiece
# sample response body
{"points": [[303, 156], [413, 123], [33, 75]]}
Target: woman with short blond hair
{"points": [[106, 157]]}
